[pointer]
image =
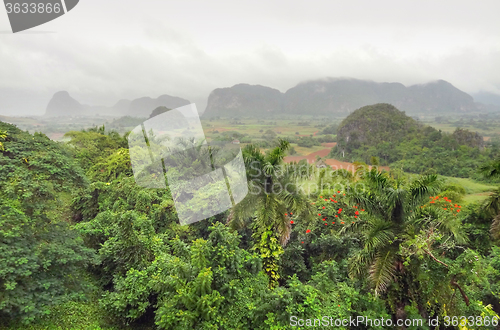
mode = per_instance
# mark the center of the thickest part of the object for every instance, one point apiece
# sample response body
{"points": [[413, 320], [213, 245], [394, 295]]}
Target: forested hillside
{"points": [[395, 139], [84, 247]]}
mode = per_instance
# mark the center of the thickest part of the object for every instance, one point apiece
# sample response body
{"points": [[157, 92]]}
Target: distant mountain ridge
{"points": [[340, 96], [63, 105], [331, 96]]}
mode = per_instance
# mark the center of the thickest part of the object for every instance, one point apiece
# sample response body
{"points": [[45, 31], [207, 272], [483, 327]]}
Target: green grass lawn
{"points": [[302, 151], [471, 186], [475, 191], [475, 198]]}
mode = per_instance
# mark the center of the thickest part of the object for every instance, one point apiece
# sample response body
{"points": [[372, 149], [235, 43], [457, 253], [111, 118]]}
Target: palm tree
{"points": [[396, 219], [273, 196], [492, 204]]}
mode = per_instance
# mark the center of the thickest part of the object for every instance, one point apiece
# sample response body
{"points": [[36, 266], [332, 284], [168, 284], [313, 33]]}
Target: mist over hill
{"points": [[487, 98], [21, 102], [244, 100], [340, 97], [63, 105]]}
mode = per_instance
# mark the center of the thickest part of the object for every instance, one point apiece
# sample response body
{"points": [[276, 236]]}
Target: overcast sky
{"points": [[105, 50]]}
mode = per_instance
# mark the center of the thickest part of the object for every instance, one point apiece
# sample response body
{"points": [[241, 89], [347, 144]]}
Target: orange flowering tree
{"points": [[334, 211]]}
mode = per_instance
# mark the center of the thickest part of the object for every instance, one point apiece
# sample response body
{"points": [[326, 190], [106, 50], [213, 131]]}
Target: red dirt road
{"points": [[311, 158], [334, 163]]}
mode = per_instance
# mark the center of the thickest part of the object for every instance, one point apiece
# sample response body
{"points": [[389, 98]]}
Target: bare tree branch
{"points": [[434, 258]]}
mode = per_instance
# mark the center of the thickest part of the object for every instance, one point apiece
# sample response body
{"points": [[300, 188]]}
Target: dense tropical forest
{"points": [[84, 247]]}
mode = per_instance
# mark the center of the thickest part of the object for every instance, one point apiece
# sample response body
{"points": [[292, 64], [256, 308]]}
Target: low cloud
{"points": [[155, 52]]}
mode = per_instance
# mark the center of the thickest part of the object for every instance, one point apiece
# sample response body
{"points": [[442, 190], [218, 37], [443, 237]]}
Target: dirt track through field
{"points": [[333, 163], [311, 158]]}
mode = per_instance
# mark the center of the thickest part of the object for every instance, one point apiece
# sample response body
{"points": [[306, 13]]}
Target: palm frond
{"points": [[360, 263], [394, 196], [297, 203], [452, 226], [252, 154], [246, 208], [382, 271], [269, 168], [275, 156], [378, 233], [378, 180], [364, 198], [424, 187]]}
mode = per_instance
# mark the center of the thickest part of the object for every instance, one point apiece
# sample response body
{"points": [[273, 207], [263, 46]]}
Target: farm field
{"points": [[256, 127], [487, 125]]}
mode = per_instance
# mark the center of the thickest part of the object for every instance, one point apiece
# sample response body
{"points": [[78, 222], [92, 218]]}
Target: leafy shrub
{"points": [[42, 257]]}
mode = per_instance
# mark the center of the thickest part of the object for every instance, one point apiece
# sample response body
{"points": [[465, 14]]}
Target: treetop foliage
{"points": [[83, 246]]}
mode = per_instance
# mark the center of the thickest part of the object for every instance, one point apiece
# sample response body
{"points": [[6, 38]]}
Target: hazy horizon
{"points": [[103, 52]]}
